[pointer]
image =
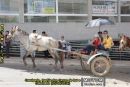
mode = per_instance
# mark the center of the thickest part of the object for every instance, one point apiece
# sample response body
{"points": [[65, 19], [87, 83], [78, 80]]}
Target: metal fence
{"points": [[115, 54]]}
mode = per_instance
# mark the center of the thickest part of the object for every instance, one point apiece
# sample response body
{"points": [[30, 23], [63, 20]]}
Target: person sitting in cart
{"points": [[107, 41], [100, 33], [94, 46]]}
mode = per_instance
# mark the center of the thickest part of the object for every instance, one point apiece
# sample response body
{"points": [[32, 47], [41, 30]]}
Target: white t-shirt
{"points": [[63, 42], [33, 37]]}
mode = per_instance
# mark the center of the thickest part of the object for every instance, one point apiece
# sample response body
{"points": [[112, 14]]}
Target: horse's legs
{"points": [[55, 58], [33, 59], [62, 56], [56, 62], [24, 58]]}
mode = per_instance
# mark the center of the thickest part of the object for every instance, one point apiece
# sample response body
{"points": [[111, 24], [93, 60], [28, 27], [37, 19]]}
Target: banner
{"points": [[105, 8], [41, 6]]}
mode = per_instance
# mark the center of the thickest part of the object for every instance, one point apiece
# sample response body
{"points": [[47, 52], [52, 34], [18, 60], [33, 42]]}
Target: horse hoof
{"points": [[62, 67], [26, 65], [61, 70], [53, 70], [34, 67], [38, 69]]}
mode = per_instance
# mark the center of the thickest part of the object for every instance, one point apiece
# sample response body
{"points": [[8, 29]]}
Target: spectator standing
{"points": [[7, 42], [63, 43]]}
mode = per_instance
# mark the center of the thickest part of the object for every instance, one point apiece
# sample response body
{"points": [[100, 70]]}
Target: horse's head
{"points": [[123, 42], [14, 31]]}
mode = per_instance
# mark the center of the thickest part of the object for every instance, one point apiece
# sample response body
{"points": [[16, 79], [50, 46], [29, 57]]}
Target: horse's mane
{"points": [[24, 32]]}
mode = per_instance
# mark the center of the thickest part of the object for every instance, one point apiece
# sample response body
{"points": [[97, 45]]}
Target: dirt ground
{"points": [[13, 73]]}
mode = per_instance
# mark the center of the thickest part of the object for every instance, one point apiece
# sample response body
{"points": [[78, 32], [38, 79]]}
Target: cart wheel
{"points": [[100, 66]]}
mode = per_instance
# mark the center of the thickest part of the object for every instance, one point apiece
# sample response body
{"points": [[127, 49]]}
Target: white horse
{"points": [[40, 43]]}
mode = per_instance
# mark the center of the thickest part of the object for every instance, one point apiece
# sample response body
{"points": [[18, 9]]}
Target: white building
{"points": [[63, 16]]}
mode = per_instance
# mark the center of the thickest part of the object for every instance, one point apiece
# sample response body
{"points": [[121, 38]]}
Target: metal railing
{"points": [[115, 54]]}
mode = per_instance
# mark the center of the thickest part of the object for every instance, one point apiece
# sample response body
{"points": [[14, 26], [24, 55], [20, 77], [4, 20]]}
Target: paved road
{"points": [[13, 72]]}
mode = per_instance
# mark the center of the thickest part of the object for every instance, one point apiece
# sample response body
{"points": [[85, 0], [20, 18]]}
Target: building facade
{"points": [[65, 17], [57, 11]]}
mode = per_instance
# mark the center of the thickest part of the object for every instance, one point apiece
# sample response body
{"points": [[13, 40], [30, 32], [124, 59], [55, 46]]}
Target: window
{"points": [[72, 6], [125, 10], [125, 19], [72, 19], [40, 19], [40, 10], [5, 19], [9, 11], [52, 11], [7, 6], [125, 7], [40, 6], [72, 10]]}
